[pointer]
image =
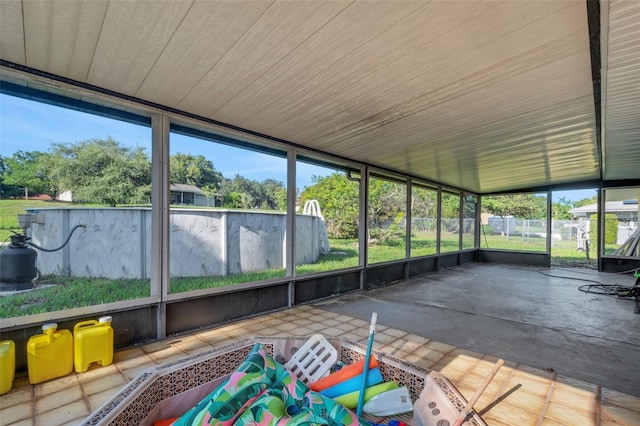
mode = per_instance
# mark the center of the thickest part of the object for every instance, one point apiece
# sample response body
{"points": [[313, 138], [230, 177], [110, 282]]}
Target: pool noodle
{"points": [[342, 375], [350, 400], [374, 377]]}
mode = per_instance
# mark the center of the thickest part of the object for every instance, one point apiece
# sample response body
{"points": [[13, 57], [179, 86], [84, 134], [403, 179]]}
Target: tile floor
{"points": [[518, 395]]}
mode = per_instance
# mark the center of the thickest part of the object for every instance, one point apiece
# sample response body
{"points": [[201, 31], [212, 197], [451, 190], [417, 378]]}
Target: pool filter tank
{"points": [[18, 264]]}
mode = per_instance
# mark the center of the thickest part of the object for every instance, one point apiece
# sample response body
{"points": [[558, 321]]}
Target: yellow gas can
{"points": [[50, 354], [7, 365], [93, 342]]}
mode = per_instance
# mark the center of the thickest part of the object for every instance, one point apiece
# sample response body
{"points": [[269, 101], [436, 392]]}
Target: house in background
{"points": [[626, 210], [181, 194], [190, 195], [66, 196]]}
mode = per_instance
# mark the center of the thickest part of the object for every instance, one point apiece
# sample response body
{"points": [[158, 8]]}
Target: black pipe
{"points": [[63, 244]]}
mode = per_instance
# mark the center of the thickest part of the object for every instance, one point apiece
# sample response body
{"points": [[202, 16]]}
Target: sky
{"points": [[33, 126], [575, 195]]}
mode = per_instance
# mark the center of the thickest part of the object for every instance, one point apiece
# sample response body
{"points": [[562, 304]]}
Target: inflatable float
{"points": [[243, 384]]}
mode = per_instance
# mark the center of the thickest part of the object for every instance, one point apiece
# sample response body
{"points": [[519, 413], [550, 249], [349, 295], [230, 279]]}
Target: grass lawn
{"points": [[343, 254], [66, 293], [9, 210], [515, 242]]}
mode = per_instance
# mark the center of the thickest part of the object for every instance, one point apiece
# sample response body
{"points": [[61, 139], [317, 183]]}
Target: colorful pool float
{"points": [[263, 392]]}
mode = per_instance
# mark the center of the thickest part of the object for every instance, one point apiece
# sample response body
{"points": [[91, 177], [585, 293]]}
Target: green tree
{"points": [[425, 202], [450, 211], [387, 200], [193, 170], [586, 201], [31, 172], [274, 195], [211, 192], [241, 192], [450, 205], [238, 192], [540, 207], [103, 171], [527, 206], [560, 209], [338, 199], [234, 200], [523, 206], [387, 212], [7, 190]]}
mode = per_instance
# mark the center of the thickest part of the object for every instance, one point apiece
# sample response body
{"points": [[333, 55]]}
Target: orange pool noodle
{"points": [[345, 373]]}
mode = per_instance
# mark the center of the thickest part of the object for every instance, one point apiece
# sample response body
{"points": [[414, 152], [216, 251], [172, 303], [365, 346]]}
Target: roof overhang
{"points": [[484, 96]]}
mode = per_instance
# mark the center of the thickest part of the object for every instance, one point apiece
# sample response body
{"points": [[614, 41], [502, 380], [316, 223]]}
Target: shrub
{"points": [[342, 227], [610, 229], [392, 236]]}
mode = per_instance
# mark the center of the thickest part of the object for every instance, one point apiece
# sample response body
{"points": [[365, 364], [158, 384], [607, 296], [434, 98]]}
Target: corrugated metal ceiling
{"points": [[486, 96], [621, 80]]}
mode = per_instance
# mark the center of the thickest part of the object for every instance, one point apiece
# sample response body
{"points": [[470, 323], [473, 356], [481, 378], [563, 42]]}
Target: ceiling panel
{"points": [[134, 35], [323, 64], [622, 91], [206, 34], [437, 55], [64, 23], [38, 18], [87, 31], [485, 96], [280, 30], [12, 31]]}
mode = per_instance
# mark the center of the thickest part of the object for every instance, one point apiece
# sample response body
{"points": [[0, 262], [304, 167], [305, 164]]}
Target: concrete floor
{"points": [[537, 317], [456, 322]]}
